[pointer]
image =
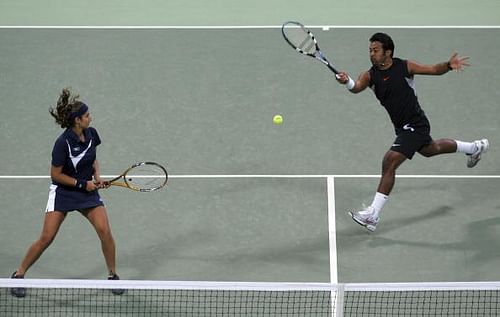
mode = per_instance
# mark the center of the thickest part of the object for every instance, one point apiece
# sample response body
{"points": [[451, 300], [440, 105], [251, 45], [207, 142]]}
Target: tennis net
{"points": [[161, 298], [157, 298], [481, 299]]}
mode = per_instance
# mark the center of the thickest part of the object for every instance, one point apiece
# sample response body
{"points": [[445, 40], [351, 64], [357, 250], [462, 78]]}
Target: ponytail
{"points": [[66, 104]]}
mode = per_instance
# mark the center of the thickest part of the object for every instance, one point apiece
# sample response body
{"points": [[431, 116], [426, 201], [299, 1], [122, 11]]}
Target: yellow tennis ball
{"points": [[278, 119]]}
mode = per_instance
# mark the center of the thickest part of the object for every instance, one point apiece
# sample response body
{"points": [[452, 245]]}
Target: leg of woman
{"points": [[51, 224], [99, 219]]}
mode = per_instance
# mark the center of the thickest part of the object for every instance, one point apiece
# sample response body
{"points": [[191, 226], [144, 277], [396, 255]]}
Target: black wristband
{"points": [[81, 184], [449, 66]]}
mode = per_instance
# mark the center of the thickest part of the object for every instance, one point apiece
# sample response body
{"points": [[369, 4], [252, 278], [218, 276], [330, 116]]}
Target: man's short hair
{"points": [[387, 43]]}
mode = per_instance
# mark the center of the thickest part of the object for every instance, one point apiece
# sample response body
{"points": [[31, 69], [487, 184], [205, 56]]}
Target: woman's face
{"points": [[84, 120]]}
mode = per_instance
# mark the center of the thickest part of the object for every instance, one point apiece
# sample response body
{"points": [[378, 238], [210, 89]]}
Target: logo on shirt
{"points": [[386, 78], [76, 159], [407, 127]]}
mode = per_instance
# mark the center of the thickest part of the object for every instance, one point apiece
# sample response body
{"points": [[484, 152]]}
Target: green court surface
{"points": [[201, 101], [244, 13], [248, 200]]}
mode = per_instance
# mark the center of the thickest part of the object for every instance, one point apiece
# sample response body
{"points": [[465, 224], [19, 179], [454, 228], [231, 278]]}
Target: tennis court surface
{"points": [[249, 201]]}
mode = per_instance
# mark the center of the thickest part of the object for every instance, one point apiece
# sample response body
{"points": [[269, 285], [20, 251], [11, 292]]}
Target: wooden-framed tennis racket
{"points": [[141, 177], [304, 42]]}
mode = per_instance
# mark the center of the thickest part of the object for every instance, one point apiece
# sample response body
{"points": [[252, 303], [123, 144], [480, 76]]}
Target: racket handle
{"points": [[332, 69], [103, 184]]}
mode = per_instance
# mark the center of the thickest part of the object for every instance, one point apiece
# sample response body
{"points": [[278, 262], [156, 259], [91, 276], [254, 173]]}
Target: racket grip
{"points": [[102, 184]]}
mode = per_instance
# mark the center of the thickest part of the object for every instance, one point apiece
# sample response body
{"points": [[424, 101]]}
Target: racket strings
{"points": [[300, 39], [308, 45], [146, 177]]}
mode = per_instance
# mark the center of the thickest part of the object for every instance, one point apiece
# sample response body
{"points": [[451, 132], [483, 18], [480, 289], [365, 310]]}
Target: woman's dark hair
{"points": [[387, 43], [66, 104]]}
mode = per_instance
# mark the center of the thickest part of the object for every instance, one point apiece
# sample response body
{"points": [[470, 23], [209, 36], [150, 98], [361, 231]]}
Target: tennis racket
{"points": [[304, 42], [141, 177]]}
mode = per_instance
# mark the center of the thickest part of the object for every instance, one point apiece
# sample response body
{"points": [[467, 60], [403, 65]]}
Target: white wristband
{"points": [[350, 84]]}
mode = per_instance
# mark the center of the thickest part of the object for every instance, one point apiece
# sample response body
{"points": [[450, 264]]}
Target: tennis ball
{"points": [[278, 119]]}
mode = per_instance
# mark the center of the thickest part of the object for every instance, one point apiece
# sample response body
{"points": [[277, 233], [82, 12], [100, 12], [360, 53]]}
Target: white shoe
{"points": [[482, 146], [366, 218]]}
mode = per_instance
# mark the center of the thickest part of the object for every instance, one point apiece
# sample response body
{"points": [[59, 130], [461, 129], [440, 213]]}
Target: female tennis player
{"points": [[75, 179]]}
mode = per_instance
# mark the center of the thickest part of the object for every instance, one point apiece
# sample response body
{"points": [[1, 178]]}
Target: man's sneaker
{"points": [[17, 291], [365, 218], [115, 277], [482, 146]]}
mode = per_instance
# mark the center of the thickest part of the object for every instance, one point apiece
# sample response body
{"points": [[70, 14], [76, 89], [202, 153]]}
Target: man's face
{"points": [[378, 56]]}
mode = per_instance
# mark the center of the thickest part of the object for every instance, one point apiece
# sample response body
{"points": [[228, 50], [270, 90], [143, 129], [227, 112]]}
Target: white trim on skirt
{"points": [[51, 203]]}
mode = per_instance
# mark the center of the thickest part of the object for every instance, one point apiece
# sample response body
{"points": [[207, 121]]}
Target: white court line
{"points": [[332, 229], [284, 176], [224, 27], [332, 243]]}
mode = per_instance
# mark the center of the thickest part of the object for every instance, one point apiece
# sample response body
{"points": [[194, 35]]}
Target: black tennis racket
{"points": [[303, 41], [141, 177]]}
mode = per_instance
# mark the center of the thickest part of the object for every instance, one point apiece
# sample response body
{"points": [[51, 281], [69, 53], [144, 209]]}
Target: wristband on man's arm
{"points": [[350, 84]]}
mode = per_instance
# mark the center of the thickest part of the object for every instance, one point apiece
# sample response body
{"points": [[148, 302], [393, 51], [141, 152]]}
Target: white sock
{"points": [[378, 202], [466, 147]]}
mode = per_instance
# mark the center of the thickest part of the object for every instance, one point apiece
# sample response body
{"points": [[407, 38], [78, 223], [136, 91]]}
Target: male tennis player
{"points": [[75, 179], [392, 81]]}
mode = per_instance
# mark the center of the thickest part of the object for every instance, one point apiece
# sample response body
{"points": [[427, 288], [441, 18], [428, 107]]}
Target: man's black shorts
{"points": [[412, 137]]}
